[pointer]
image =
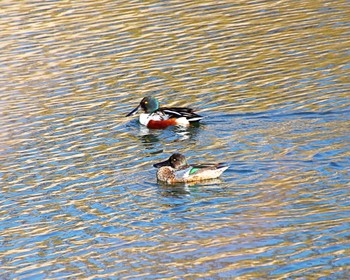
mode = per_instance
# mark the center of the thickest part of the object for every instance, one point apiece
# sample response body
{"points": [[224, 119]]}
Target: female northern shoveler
{"points": [[176, 170], [159, 118]]}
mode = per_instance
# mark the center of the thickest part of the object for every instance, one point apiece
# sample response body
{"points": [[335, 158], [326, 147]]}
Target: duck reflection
{"points": [[187, 133], [150, 138], [179, 190], [176, 191]]}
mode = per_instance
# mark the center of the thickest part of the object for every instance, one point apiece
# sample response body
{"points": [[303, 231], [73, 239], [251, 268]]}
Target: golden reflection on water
{"points": [[79, 196]]}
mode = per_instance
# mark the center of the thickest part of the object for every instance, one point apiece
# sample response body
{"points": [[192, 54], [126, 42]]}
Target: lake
{"points": [[79, 198]]}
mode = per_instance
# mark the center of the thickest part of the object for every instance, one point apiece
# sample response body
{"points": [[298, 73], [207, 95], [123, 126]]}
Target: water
{"points": [[79, 197]]}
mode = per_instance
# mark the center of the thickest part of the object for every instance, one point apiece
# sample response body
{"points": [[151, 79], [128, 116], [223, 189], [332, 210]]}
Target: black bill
{"points": [[163, 163], [133, 111]]}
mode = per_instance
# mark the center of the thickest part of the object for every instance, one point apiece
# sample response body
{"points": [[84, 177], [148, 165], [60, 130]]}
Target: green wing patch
{"points": [[194, 170]]}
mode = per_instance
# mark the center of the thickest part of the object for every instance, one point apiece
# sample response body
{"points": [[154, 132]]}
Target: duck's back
{"points": [[204, 173], [178, 112]]}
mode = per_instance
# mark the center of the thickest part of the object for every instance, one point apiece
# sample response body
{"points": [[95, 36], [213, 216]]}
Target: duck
{"points": [[155, 117], [176, 170]]}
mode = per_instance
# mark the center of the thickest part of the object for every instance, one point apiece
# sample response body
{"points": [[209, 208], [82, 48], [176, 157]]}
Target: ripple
{"points": [[79, 193]]}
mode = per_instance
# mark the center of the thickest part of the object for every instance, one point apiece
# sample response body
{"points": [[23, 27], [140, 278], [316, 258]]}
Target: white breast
{"points": [[145, 118]]}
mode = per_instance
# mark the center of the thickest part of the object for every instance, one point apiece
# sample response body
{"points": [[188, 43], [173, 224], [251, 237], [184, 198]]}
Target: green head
{"points": [[149, 104]]}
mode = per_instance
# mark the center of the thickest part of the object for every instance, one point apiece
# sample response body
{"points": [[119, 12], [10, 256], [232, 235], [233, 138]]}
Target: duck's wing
{"points": [[183, 173], [199, 172], [178, 112], [209, 166], [210, 170]]}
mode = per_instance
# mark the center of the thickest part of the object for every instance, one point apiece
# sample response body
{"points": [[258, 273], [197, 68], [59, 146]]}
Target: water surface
{"points": [[79, 197]]}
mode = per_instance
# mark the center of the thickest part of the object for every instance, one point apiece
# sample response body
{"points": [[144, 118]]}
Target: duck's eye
{"points": [[146, 102], [174, 159]]}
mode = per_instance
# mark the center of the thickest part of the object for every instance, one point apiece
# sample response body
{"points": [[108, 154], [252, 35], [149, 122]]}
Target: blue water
{"points": [[79, 195]]}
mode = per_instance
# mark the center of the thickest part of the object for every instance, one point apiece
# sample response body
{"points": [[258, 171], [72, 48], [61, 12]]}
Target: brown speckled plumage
{"points": [[177, 170]]}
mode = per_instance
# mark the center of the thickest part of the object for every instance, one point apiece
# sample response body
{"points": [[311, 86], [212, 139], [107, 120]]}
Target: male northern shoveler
{"points": [[177, 170], [159, 118]]}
